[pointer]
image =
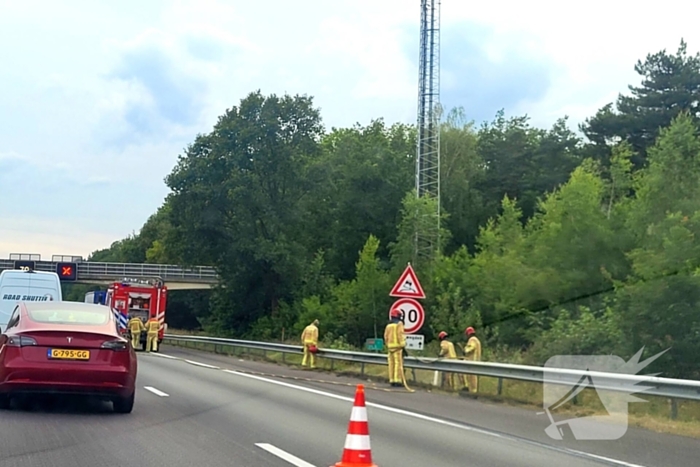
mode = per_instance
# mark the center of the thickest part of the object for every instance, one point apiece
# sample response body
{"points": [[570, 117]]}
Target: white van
{"points": [[26, 286]]}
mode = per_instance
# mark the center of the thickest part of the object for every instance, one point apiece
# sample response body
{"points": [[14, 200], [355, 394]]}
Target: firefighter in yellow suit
{"points": [[136, 327], [152, 328], [395, 340], [309, 337], [472, 352], [447, 350]]}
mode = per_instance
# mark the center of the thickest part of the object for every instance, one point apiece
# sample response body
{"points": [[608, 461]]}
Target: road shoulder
{"points": [[637, 446]]}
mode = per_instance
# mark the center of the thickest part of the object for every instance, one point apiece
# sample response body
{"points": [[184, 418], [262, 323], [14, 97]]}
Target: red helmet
{"points": [[395, 313], [442, 335], [469, 331]]}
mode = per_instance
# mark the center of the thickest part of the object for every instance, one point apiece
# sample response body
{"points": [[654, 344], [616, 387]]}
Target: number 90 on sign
{"points": [[413, 314]]}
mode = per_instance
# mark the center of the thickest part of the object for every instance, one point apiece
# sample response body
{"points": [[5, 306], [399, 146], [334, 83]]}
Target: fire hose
{"points": [[403, 373]]}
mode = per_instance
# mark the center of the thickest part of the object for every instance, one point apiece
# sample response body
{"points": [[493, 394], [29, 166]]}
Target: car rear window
{"points": [[59, 316]]}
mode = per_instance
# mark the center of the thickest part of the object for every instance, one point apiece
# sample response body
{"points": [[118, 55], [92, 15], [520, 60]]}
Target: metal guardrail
{"points": [[618, 382], [164, 271], [114, 271]]}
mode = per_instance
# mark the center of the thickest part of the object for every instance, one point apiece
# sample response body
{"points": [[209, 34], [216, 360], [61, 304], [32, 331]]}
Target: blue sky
{"points": [[100, 97]]}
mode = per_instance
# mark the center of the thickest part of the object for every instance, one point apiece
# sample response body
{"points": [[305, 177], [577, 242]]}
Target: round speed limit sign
{"points": [[413, 314]]}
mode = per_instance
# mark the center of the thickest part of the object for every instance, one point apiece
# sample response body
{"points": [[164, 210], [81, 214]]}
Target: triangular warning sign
{"points": [[408, 285]]}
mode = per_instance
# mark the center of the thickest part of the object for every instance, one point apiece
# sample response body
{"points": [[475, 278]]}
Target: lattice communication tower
{"points": [[428, 148]]}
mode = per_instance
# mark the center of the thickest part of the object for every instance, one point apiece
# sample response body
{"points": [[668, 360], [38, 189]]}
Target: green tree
{"points": [[498, 276], [418, 216], [153, 236], [573, 239], [567, 254], [127, 250], [620, 177], [236, 202], [360, 306], [448, 306], [523, 162], [460, 171], [358, 186], [584, 332], [659, 302], [670, 85]]}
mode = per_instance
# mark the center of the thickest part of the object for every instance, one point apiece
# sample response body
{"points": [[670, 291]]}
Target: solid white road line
{"points": [[427, 418], [202, 364], [155, 391], [284, 455]]}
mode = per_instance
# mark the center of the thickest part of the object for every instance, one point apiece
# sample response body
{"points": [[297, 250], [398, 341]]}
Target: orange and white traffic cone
{"points": [[357, 452]]}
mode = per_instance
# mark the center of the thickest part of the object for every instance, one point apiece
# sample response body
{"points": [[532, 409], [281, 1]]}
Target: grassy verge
{"points": [[654, 415]]}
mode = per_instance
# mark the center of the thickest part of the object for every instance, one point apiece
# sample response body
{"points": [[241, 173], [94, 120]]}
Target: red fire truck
{"points": [[139, 298]]}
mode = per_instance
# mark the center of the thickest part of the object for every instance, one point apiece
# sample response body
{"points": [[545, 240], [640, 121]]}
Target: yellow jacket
{"points": [[447, 349], [394, 336], [135, 325], [153, 326], [310, 335], [472, 351]]}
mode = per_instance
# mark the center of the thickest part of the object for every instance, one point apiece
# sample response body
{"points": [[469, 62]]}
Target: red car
{"points": [[66, 348]]}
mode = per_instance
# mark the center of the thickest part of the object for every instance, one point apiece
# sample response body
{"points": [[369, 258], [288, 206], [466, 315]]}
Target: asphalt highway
{"points": [[201, 409]]}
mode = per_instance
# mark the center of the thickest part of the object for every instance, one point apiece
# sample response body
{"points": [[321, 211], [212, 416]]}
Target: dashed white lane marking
{"points": [[165, 356], [426, 418], [155, 391], [202, 364], [192, 362], [284, 455]]}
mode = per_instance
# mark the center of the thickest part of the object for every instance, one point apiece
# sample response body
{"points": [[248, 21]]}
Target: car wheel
{"points": [[124, 404], [4, 401]]}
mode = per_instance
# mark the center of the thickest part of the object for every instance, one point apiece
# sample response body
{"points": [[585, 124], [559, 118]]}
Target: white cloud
{"points": [[104, 91], [49, 237], [595, 44]]}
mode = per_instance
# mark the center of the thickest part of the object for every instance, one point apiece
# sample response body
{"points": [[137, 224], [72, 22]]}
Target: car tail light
{"points": [[116, 344], [20, 341]]}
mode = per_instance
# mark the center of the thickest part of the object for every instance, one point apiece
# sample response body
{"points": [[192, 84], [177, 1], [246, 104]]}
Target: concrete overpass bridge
{"points": [[73, 269]]}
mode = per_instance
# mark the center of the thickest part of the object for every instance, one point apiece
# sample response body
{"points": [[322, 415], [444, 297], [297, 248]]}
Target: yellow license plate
{"points": [[69, 354]]}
